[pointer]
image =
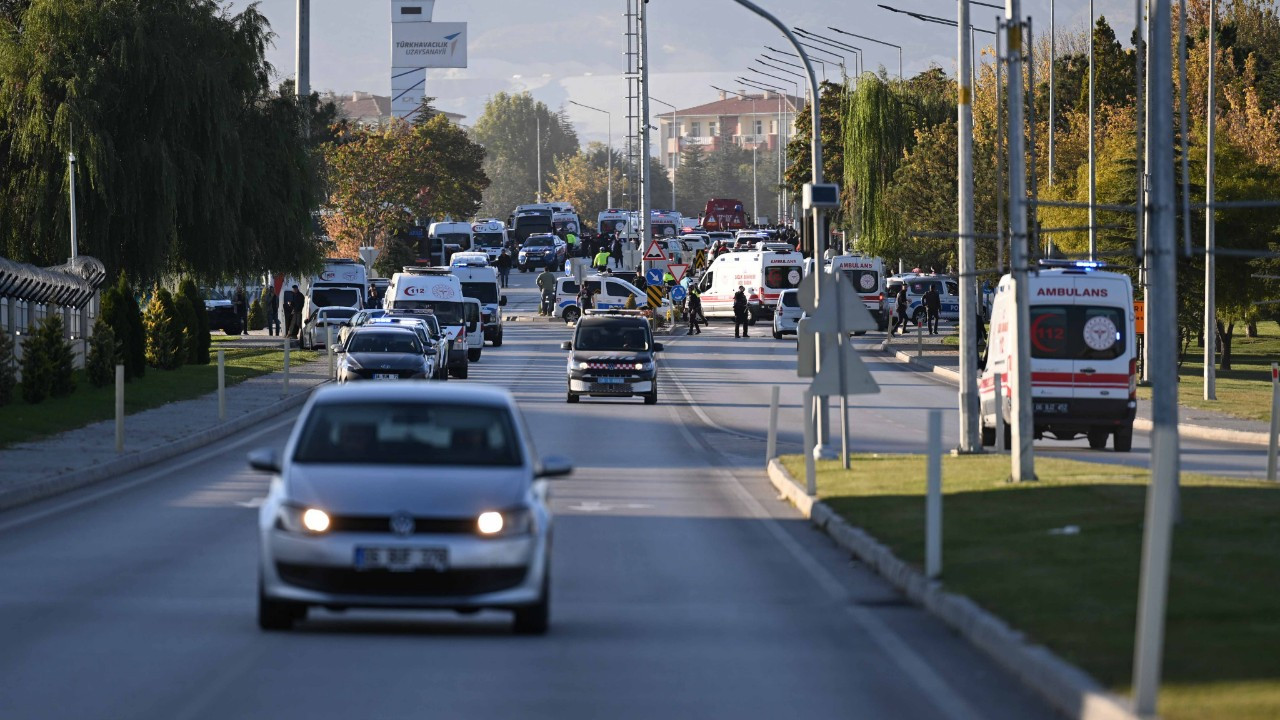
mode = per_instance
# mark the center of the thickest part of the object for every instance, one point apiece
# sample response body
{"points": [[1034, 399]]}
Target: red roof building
{"points": [[748, 120]]}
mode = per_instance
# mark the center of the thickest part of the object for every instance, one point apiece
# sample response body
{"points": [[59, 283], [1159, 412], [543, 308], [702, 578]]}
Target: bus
{"points": [[723, 214], [537, 218]]}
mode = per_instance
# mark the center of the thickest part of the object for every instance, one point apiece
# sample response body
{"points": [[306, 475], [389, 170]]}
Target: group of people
{"points": [[931, 301], [271, 306]]}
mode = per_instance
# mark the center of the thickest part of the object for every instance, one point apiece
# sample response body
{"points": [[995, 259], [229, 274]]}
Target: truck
{"points": [[724, 214]]}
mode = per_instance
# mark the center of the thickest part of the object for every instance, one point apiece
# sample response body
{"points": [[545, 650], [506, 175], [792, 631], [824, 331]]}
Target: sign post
{"points": [[1275, 422]]}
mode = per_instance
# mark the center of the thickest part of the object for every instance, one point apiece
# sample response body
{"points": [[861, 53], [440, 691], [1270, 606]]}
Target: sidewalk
{"points": [[37, 470], [944, 361]]}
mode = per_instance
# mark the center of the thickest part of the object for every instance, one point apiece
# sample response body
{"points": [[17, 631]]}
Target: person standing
{"points": [[293, 311], [240, 304], [271, 304], [601, 261], [933, 307], [694, 311], [585, 301], [901, 304], [740, 315], [504, 267], [546, 282], [615, 251]]}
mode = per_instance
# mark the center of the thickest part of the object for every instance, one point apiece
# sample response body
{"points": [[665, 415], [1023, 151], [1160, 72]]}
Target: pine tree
{"points": [[121, 312], [100, 366], [8, 369], [164, 345], [196, 334], [35, 369], [256, 319], [61, 356]]}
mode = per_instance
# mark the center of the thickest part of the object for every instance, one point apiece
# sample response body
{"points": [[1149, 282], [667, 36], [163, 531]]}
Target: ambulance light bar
{"points": [[1074, 264]]}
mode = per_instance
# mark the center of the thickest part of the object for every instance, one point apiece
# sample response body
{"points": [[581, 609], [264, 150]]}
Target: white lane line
{"points": [[944, 698], [66, 505]]}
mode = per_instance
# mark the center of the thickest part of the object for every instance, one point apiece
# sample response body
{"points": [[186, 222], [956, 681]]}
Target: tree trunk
{"points": [[1251, 329], [1224, 344]]}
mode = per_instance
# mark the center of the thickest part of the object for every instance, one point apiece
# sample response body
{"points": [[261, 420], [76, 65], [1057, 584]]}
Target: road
{"points": [[682, 586]]}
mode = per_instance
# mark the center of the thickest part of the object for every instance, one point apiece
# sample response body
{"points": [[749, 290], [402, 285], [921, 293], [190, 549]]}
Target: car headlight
{"points": [[511, 522], [583, 365], [296, 519], [350, 363]]}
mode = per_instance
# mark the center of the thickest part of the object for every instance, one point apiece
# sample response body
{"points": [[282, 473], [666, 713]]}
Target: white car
{"points": [[315, 333], [787, 314], [406, 495]]}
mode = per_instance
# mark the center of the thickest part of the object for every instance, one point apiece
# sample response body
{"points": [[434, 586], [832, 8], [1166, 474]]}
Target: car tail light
{"points": [[1133, 378]]}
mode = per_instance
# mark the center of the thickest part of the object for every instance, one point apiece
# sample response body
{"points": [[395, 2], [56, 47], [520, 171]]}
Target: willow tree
{"points": [[876, 133], [187, 160]]}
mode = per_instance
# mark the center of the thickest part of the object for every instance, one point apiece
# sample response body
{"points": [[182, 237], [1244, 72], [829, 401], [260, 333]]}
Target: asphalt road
{"points": [[681, 586]]}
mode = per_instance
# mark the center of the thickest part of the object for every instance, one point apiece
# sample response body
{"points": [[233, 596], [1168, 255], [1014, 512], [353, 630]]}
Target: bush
{"points": [[257, 321], [164, 345], [197, 333], [8, 369], [184, 321], [100, 366], [120, 310], [48, 362]]}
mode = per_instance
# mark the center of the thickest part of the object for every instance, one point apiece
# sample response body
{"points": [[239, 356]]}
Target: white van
{"points": [[473, 315], [340, 283], [867, 276], [488, 237], [764, 274], [454, 236], [438, 290], [611, 293], [480, 281], [1083, 362]]}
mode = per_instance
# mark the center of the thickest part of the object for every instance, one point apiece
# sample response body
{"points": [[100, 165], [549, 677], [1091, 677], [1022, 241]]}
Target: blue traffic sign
{"points": [[678, 293], [653, 276]]}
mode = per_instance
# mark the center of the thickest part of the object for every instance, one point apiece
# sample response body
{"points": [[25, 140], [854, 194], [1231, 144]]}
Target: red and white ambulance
{"points": [[1083, 356], [763, 273], [867, 276]]}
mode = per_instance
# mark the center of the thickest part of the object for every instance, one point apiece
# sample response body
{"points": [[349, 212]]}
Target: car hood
{"points": [[217, 303], [601, 356], [386, 361], [425, 491]]}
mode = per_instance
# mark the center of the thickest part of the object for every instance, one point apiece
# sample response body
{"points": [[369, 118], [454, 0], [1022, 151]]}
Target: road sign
{"points": [[857, 379], [806, 349], [1139, 312], [653, 276], [369, 255], [654, 253], [699, 260], [678, 293], [655, 293], [837, 291], [677, 270]]}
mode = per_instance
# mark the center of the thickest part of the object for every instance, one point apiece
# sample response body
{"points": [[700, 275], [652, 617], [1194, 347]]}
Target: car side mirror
{"points": [[566, 345], [502, 301], [265, 459], [657, 347], [337, 348], [554, 466]]}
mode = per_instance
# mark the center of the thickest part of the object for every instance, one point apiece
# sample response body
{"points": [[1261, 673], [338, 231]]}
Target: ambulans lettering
{"points": [[1070, 292]]}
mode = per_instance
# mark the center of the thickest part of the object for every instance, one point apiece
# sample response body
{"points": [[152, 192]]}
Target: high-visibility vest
{"points": [[602, 258]]}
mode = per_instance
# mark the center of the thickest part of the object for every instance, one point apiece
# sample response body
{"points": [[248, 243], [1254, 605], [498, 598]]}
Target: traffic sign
{"points": [[677, 270], [654, 252], [699, 260], [836, 293], [806, 349], [653, 276], [1139, 310], [857, 379], [655, 293], [678, 293], [369, 255]]}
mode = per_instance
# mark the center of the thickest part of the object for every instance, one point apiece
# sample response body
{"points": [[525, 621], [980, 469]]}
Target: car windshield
{"points": [[612, 336], [338, 313], [791, 299], [404, 433], [446, 312], [384, 342], [487, 239], [322, 296], [460, 239], [1077, 332], [782, 277], [485, 292], [537, 242], [213, 294], [366, 315]]}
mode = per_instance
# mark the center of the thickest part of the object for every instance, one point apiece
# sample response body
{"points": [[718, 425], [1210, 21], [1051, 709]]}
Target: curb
{"points": [[1197, 432], [66, 482], [1066, 687]]}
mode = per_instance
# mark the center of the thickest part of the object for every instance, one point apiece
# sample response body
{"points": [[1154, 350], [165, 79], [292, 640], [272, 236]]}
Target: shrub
{"points": [[8, 369], [164, 346], [48, 362], [196, 334], [120, 310], [256, 319], [35, 369], [184, 321], [100, 366]]}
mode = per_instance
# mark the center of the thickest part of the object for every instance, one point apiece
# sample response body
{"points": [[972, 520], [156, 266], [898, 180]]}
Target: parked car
{"points": [[315, 334], [222, 316]]}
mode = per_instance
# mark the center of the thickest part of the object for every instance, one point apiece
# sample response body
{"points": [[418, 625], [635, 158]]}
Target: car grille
{"points": [[344, 581], [421, 525], [597, 388], [366, 374], [622, 368]]}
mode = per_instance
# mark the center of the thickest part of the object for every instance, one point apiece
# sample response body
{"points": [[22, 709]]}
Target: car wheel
{"points": [[278, 614], [751, 318], [1098, 438], [534, 619], [920, 317], [460, 373], [777, 335], [651, 397], [571, 314], [473, 354], [1123, 438], [497, 339], [1008, 436], [988, 436], [233, 329], [571, 398]]}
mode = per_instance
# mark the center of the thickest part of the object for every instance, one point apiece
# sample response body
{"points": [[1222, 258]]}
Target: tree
{"points": [[204, 171], [165, 350], [507, 128], [693, 181], [8, 369], [100, 365], [196, 330], [120, 310], [48, 362], [580, 181]]}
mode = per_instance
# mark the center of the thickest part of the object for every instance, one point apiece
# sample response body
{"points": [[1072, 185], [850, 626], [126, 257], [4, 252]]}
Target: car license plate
{"points": [[1052, 408], [402, 559], [386, 376], [612, 380]]}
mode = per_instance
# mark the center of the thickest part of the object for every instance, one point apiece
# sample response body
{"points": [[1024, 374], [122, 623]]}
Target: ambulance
{"points": [[867, 276], [438, 290], [488, 236], [763, 273], [480, 281], [1083, 360]]}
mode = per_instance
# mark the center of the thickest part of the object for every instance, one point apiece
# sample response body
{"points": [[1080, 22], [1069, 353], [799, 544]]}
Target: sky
{"points": [[561, 50]]}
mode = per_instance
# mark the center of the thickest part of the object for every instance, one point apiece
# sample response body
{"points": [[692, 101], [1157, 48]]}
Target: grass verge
{"points": [[20, 422], [1243, 391], [1077, 593]]}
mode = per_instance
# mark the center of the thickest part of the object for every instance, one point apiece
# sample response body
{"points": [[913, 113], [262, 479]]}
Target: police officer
{"points": [[932, 307], [547, 284], [740, 315], [694, 310]]}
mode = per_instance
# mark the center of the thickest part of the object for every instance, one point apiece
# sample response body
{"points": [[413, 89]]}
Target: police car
{"points": [[612, 354], [917, 285]]}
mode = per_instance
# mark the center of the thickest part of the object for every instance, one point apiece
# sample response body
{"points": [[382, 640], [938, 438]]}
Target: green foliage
{"points": [[832, 117], [121, 312], [507, 129], [165, 349], [196, 330], [100, 366], [8, 369], [48, 362], [257, 321], [186, 157]]}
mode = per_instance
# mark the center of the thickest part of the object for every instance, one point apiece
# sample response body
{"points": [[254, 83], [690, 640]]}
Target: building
{"points": [[748, 120], [368, 110]]}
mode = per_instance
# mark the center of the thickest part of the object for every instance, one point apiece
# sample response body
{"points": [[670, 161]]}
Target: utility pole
{"points": [[1053, 56], [537, 135], [1210, 241], [302, 64], [1093, 169], [1023, 425], [1162, 312], [646, 185], [970, 441], [71, 197]]}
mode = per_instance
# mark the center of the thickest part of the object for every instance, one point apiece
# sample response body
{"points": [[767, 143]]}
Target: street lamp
{"points": [[881, 42], [609, 115], [674, 123], [857, 51], [780, 79]]}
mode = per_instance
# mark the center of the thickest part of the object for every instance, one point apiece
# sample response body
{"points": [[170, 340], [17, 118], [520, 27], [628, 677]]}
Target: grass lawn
{"points": [[1245, 390], [1077, 593], [20, 422]]}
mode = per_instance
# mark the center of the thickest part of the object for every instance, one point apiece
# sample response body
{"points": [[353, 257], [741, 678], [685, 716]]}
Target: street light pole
{"points": [[302, 64], [538, 146], [609, 161], [881, 42], [970, 441], [646, 184], [674, 163], [1093, 165], [1023, 425], [1210, 239], [755, 191]]}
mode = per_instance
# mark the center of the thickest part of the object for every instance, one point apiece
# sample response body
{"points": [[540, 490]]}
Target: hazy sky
{"points": [[573, 49]]}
